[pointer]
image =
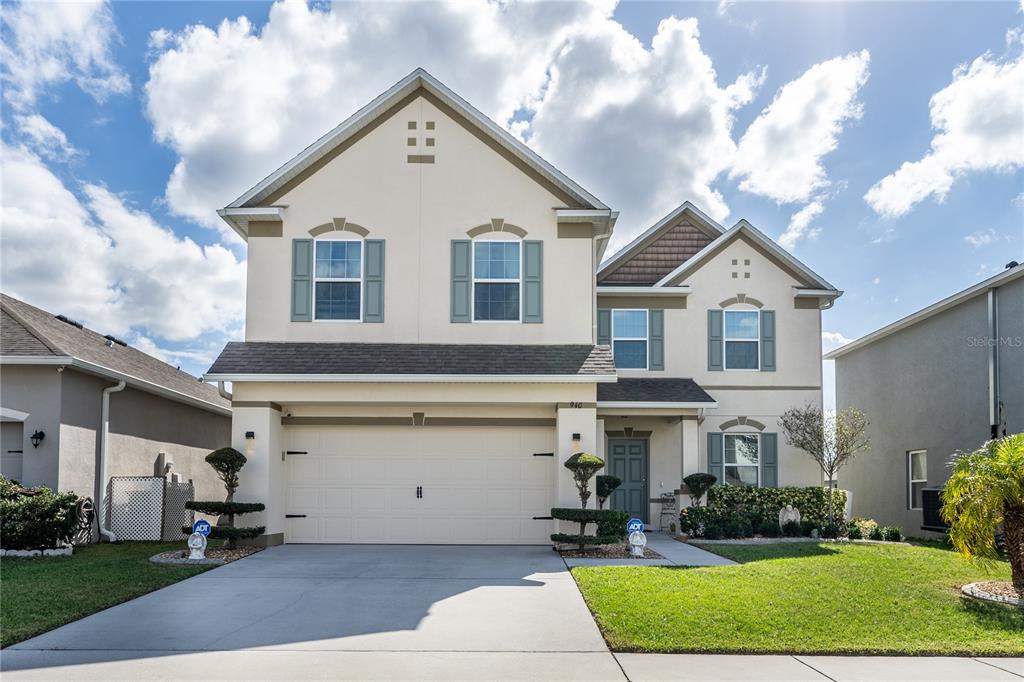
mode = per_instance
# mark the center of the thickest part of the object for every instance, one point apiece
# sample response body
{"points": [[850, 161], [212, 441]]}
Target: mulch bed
{"points": [[995, 590], [607, 552], [219, 553]]}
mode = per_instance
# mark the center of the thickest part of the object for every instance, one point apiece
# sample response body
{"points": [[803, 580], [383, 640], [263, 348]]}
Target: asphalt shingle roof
{"points": [[412, 358], [29, 331], [653, 391]]}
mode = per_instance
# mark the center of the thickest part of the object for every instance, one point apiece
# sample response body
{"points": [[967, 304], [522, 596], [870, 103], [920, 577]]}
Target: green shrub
{"points": [[36, 518], [582, 540], [892, 534], [831, 530], [854, 532], [227, 462], [811, 501], [876, 533], [792, 529], [606, 485], [807, 527], [613, 525], [231, 533], [728, 527], [866, 526], [698, 484], [217, 508]]}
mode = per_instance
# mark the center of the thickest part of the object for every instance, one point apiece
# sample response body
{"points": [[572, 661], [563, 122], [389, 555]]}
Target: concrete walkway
{"points": [[675, 553]]}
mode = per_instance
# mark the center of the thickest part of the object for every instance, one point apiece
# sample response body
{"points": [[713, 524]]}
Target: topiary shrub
{"points": [[36, 518], [892, 534], [227, 462], [606, 485], [698, 484], [613, 525], [583, 466]]}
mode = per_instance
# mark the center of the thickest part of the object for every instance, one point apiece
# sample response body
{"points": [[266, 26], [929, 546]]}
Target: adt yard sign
{"points": [[203, 528], [633, 526]]}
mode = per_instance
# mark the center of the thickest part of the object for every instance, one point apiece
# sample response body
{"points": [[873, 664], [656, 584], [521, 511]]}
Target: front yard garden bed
{"points": [[40, 595], [806, 598], [215, 556], [619, 551]]}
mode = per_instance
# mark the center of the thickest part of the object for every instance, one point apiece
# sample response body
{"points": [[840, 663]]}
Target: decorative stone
{"points": [[35, 552], [976, 591], [60, 551], [637, 543], [197, 546], [787, 514]]}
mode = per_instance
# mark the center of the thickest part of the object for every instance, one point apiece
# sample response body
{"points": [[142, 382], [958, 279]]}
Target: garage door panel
{"points": [[358, 484]]}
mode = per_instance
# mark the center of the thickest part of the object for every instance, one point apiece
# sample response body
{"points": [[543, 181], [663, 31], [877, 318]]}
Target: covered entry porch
{"points": [[650, 430]]}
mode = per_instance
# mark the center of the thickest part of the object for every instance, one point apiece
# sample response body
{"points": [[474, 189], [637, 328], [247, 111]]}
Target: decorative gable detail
{"points": [[662, 256]]}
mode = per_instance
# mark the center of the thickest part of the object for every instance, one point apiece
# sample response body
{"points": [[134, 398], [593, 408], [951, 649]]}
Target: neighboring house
{"points": [[426, 343], [946, 378], [53, 376]]}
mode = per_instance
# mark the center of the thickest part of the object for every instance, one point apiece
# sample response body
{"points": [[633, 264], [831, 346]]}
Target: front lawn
{"points": [[42, 593], [805, 598]]}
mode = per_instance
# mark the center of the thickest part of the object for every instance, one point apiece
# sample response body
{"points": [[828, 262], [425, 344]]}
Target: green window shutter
{"points": [[373, 281], [715, 321], [604, 327], [302, 280], [716, 456], [767, 340], [462, 274], [533, 281], [656, 339], [769, 460]]}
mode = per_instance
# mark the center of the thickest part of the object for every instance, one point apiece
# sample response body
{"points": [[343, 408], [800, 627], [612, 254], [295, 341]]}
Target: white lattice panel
{"points": [[136, 507], [175, 514]]}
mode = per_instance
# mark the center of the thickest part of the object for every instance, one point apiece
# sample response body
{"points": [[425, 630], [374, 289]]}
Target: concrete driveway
{"points": [[341, 611]]}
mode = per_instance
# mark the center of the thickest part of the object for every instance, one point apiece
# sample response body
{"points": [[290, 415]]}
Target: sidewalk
{"points": [[675, 553]]}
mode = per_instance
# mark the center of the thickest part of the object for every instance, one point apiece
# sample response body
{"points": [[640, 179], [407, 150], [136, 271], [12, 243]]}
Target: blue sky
{"points": [[103, 102]]}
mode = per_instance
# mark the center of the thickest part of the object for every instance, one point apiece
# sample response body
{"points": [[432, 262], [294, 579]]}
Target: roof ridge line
{"points": [[35, 330]]}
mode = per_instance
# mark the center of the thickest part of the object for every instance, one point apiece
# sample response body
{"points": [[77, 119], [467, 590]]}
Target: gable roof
{"points": [[32, 336], [1004, 277], [419, 79], [773, 250], [651, 269]]}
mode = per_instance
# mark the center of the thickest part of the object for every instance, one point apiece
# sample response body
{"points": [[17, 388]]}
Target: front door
{"points": [[628, 461]]}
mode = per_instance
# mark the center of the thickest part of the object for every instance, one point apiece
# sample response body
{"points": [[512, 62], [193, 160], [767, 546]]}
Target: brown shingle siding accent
{"points": [[677, 245]]}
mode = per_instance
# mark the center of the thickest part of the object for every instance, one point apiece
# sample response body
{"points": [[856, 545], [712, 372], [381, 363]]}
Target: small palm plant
{"points": [[986, 489]]}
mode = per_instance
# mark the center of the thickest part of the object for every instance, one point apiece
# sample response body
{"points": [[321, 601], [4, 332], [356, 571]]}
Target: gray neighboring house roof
{"points": [[669, 391], [428, 361], [32, 336]]}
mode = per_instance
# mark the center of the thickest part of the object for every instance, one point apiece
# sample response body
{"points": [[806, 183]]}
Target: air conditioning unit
{"points": [[931, 503]]}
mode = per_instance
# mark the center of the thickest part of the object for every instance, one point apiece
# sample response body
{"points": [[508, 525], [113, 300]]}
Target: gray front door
{"points": [[628, 461]]}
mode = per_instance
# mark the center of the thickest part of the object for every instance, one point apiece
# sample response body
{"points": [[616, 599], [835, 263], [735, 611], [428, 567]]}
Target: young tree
{"points": [[698, 484], [831, 439], [986, 489]]}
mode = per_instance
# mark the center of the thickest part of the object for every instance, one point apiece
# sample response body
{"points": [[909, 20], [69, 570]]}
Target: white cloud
{"points": [[799, 223], [45, 138], [876, 280], [833, 340], [977, 118], [662, 120], [981, 237], [780, 154], [47, 44], [109, 265]]}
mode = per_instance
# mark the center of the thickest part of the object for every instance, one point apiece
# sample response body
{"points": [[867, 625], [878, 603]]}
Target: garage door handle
{"points": [[295, 516]]}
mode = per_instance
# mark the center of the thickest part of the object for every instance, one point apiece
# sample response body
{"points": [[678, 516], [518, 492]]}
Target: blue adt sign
{"points": [[202, 527], [634, 525]]}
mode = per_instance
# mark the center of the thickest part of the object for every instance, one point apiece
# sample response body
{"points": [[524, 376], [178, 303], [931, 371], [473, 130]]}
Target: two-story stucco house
{"points": [[429, 337]]}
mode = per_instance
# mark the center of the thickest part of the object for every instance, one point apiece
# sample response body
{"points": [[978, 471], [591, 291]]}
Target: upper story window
{"points": [[338, 279], [497, 281], [742, 339], [917, 477], [742, 452], [629, 339]]}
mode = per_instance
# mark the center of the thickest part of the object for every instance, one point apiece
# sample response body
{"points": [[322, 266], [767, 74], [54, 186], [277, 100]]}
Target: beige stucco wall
{"points": [[12, 438], [35, 390], [414, 394], [418, 208]]}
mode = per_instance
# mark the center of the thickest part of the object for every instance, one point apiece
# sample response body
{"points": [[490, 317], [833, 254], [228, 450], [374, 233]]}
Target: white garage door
{"points": [[419, 484]]}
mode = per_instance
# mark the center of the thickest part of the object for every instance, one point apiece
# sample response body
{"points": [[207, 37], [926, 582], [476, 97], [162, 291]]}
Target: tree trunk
{"points": [[583, 528], [1013, 531]]}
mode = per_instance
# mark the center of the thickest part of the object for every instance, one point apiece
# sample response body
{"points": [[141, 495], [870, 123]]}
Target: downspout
{"points": [[993, 362], [102, 469], [222, 392]]}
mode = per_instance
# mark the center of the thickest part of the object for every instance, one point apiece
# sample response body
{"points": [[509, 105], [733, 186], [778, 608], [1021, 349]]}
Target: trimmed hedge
{"points": [[217, 508], [811, 501], [569, 539], [36, 518], [230, 532]]}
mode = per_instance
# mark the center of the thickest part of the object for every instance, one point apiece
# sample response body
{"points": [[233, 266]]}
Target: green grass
{"points": [[41, 594], [805, 598]]}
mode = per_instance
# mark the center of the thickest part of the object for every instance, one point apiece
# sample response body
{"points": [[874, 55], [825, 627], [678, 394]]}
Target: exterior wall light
{"points": [[250, 435], [37, 438]]}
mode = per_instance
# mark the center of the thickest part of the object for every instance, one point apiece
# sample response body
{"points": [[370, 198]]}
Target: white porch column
{"points": [[692, 463], [569, 421], [262, 477]]}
